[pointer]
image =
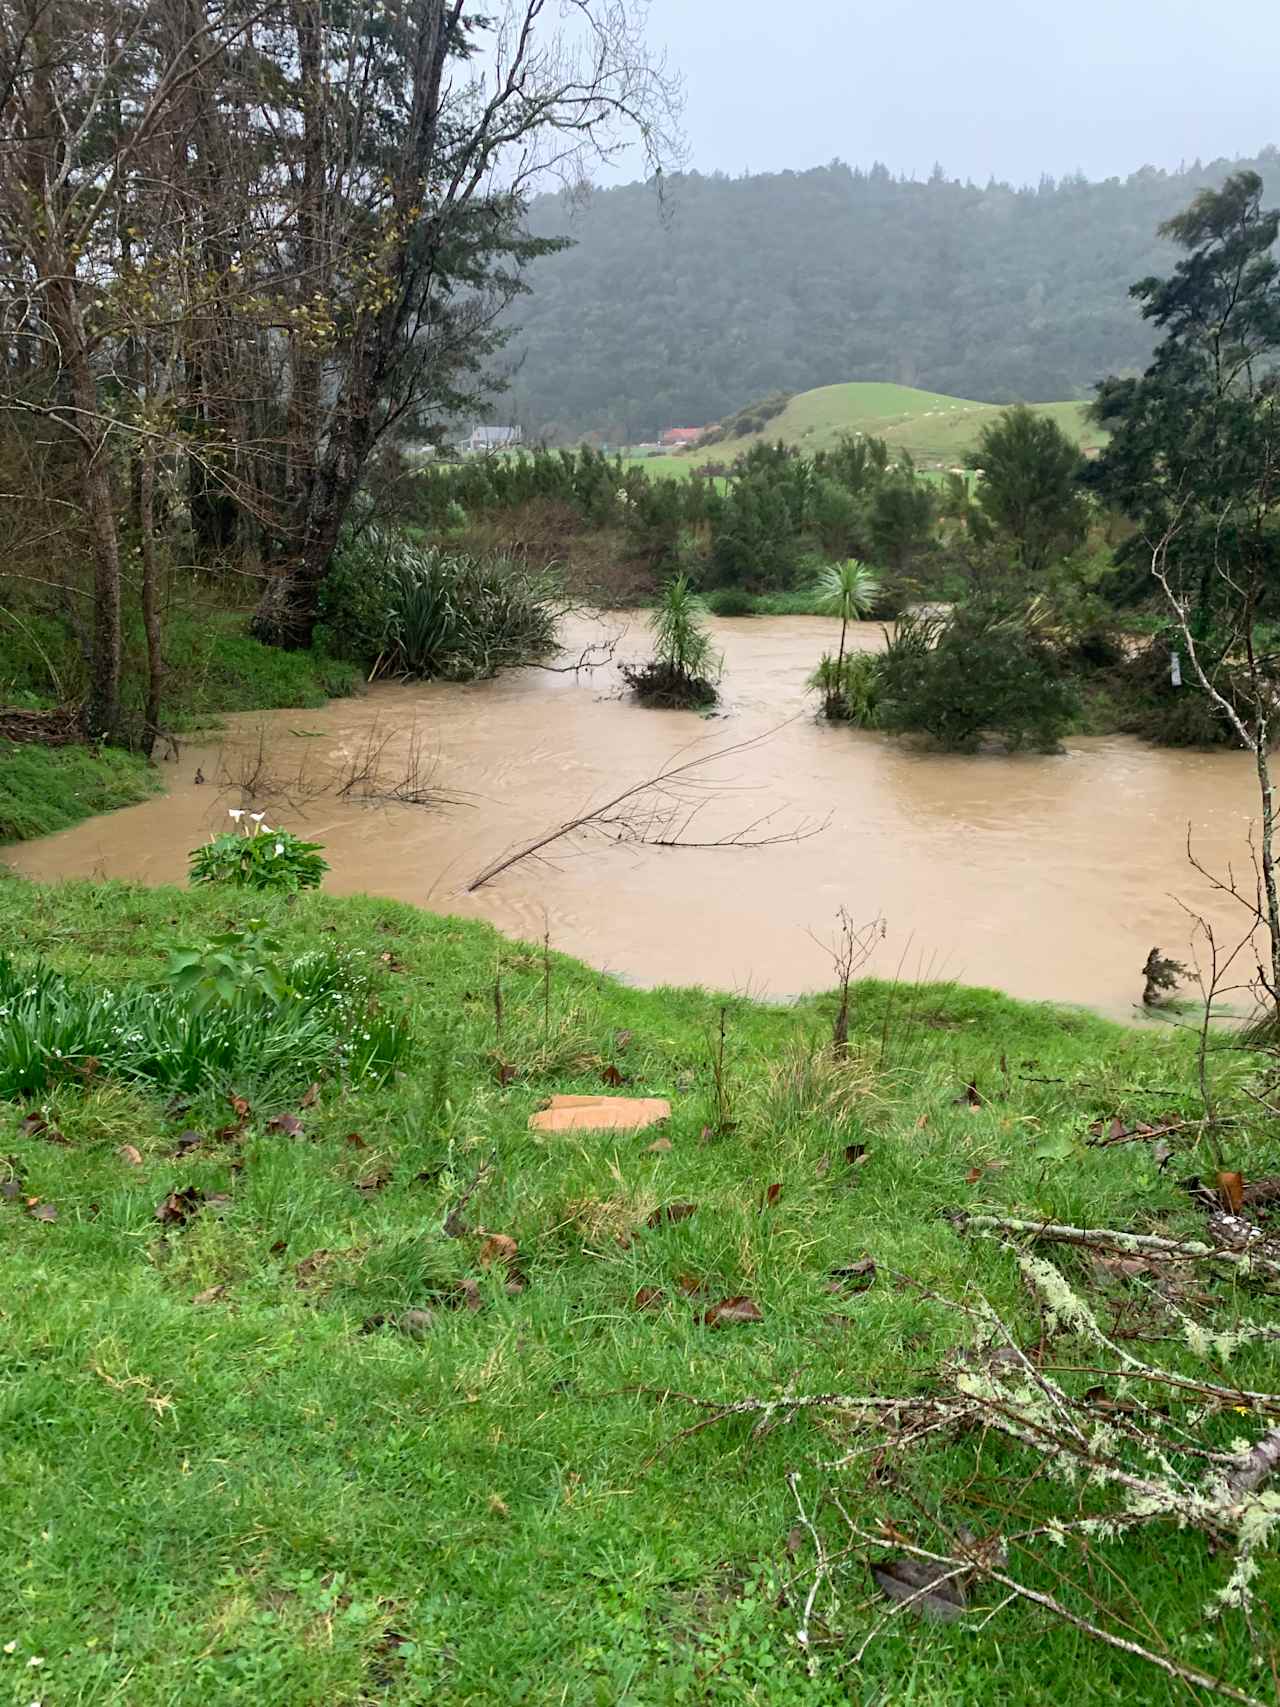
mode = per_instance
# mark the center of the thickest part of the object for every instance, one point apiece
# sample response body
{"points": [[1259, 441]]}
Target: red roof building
{"points": [[675, 436]]}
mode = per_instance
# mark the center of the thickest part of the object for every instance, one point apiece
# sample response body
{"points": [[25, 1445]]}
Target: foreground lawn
{"points": [[235, 1473]]}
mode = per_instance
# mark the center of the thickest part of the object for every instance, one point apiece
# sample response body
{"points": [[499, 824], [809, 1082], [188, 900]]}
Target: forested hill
{"points": [[781, 282]]}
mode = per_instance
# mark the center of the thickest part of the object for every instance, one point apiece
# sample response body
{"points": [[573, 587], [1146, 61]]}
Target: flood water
{"points": [[1042, 876]]}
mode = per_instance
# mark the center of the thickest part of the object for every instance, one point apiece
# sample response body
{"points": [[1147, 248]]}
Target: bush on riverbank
{"points": [[409, 610], [980, 672], [327, 1335]]}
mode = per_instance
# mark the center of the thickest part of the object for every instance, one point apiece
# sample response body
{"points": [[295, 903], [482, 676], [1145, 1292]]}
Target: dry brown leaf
{"points": [[178, 1208], [288, 1124], [1231, 1191], [855, 1276], [771, 1196], [210, 1295], [737, 1309], [649, 1298], [671, 1212], [309, 1096], [498, 1248], [42, 1212], [130, 1153], [920, 1582], [309, 1267], [659, 1147]]}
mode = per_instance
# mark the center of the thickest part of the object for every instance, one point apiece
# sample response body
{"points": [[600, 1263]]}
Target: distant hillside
{"points": [[933, 428], [741, 287]]}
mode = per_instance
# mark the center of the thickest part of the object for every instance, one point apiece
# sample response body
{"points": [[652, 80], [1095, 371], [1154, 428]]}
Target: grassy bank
{"points": [[232, 1477], [215, 667], [43, 789]]}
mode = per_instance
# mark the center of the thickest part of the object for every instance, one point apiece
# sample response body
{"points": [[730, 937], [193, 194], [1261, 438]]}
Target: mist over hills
{"points": [[730, 289]]}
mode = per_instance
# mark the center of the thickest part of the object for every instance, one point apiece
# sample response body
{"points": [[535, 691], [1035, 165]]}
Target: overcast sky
{"points": [[1012, 88]]}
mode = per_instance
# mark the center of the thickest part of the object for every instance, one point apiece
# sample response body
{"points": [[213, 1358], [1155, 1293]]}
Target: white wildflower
{"points": [[236, 813], [257, 816], [279, 847]]}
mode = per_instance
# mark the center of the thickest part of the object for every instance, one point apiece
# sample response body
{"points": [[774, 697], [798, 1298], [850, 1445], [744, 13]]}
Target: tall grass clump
{"points": [[404, 609], [685, 667], [58, 1030]]}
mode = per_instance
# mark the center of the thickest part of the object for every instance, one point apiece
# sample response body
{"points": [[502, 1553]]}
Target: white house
{"points": [[485, 440]]}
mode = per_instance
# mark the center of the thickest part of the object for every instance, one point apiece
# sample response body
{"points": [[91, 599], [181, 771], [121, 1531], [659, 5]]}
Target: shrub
{"points": [[683, 669], [259, 858], [731, 601], [403, 609], [851, 688], [1178, 716], [980, 672]]}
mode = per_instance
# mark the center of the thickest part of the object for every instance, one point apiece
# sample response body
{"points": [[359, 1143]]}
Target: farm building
{"points": [[485, 440]]}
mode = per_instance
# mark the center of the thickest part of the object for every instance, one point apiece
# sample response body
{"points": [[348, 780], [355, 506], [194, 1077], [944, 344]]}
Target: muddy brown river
{"points": [[1042, 876]]}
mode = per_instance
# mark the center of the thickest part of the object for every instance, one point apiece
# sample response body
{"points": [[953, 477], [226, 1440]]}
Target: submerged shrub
{"points": [[409, 610], [731, 601], [684, 668], [981, 672], [259, 858], [851, 688], [1182, 716]]}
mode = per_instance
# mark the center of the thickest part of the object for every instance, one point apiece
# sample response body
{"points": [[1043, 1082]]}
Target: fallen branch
{"points": [[975, 1563], [667, 783], [1255, 1466], [1107, 1239]]}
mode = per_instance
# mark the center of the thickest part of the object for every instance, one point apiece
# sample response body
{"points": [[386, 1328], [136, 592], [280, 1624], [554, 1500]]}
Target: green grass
{"points": [[933, 428], [250, 1499], [215, 667], [43, 789]]}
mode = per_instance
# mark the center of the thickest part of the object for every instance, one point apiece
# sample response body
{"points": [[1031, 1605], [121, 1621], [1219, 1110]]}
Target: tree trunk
{"points": [[101, 716], [289, 608], [150, 600], [1268, 858]]}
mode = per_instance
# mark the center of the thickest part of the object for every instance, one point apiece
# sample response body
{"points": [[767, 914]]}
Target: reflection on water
{"points": [[1043, 876]]}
